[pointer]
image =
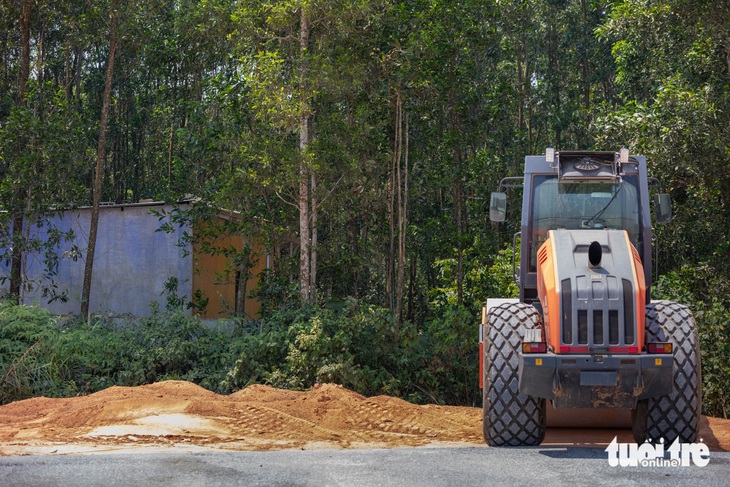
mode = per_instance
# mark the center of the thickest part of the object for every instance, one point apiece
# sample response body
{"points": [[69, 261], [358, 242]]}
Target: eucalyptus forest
{"points": [[360, 141]]}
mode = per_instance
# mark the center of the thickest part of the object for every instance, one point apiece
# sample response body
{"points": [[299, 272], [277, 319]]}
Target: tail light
{"points": [[534, 347], [659, 347]]}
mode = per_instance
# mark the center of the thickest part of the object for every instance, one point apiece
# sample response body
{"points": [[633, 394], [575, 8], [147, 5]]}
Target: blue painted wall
{"points": [[131, 265]]}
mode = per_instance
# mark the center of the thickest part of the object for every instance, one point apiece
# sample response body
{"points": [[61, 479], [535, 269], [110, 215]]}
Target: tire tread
{"points": [[509, 417]]}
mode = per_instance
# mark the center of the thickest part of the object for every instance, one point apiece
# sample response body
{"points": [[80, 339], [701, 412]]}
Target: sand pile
{"points": [[182, 415]]}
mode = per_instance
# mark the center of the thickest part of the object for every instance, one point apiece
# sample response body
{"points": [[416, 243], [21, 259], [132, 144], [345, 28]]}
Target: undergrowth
{"points": [[360, 346], [41, 355]]}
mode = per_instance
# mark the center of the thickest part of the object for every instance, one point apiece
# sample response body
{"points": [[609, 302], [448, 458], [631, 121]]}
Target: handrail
{"points": [[515, 273], [503, 183]]}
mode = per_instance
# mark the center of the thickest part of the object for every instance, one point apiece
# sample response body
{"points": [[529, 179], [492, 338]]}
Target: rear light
{"points": [[659, 347], [534, 347]]}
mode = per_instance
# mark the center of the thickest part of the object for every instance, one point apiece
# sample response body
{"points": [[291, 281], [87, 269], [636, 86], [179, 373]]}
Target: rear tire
{"points": [[509, 418], [674, 416]]}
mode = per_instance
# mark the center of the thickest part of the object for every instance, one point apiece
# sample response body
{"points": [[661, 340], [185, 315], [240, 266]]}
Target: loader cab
{"points": [[580, 190]]}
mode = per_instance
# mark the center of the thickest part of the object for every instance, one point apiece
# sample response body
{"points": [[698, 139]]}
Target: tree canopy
{"points": [[367, 132], [360, 139]]}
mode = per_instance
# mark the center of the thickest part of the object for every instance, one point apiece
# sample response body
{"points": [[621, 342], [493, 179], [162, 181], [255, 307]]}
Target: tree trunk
{"points": [[40, 59], [397, 211], [170, 146], [585, 67], [555, 77], [4, 55], [68, 83], [412, 289], [390, 257], [402, 214], [77, 77], [394, 283], [25, 50], [727, 55], [727, 40], [459, 184], [304, 237], [399, 196], [242, 279], [458, 196], [100, 161], [520, 90], [313, 235], [242, 276], [16, 265]]}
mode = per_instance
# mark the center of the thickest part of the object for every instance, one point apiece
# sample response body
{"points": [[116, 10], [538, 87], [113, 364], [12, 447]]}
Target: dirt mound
{"points": [[182, 415]]}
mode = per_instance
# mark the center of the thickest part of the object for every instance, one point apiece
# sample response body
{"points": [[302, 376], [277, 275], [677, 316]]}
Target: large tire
{"points": [[677, 415], [509, 418]]}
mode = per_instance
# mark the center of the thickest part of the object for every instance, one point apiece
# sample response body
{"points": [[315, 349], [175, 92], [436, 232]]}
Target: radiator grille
{"points": [[599, 321]]}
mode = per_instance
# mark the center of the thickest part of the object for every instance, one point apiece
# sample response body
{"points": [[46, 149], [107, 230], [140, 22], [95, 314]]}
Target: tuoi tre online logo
{"points": [[654, 455]]}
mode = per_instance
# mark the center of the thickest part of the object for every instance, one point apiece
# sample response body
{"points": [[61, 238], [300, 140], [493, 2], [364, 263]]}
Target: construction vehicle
{"points": [[584, 332]]}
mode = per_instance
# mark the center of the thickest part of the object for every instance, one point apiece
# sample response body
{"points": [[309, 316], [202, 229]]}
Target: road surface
{"points": [[401, 467]]}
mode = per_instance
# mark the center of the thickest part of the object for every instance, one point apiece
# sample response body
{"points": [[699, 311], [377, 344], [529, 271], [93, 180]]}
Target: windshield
{"points": [[588, 205]]}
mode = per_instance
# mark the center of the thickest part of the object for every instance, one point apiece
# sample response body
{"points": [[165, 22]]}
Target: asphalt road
{"points": [[402, 467]]}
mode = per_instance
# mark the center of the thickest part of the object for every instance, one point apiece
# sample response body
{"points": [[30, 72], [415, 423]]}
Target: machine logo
{"points": [[648, 455], [587, 164]]}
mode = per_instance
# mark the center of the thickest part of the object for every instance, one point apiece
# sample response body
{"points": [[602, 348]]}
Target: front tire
{"points": [[674, 416], [509, 418]]}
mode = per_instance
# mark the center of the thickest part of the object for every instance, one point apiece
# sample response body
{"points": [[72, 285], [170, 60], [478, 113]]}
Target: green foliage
{"points": [[42, 148], [27, 363], [672, 76], [706, 293], [714, 327], [208, 100], [40, 356], [364, 348], [451, 365], [484, 278]]}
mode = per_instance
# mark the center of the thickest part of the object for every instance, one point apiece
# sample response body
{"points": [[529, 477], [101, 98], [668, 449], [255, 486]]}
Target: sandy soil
{"points": [[181, 415]]}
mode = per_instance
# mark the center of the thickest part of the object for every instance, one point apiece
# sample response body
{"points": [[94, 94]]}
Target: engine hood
{"points": [[592, 290]]}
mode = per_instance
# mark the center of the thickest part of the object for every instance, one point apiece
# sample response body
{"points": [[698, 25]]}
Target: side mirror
{"points": [[662, 208], [498, 207]]}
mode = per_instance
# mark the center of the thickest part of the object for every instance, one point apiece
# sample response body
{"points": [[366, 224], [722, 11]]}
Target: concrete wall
{"points": [[132, 261]]}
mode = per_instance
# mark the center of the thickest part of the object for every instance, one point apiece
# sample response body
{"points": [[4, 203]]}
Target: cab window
{"points": [[582, 205]]}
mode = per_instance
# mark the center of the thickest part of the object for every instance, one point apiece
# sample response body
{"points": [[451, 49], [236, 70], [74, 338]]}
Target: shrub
{"points": [[706, 293], [27, 362], [39, 356], [364, 348]]}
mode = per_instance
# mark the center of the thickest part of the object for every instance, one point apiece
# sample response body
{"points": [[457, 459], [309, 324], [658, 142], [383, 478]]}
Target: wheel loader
{"points": [[584, 333]]}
